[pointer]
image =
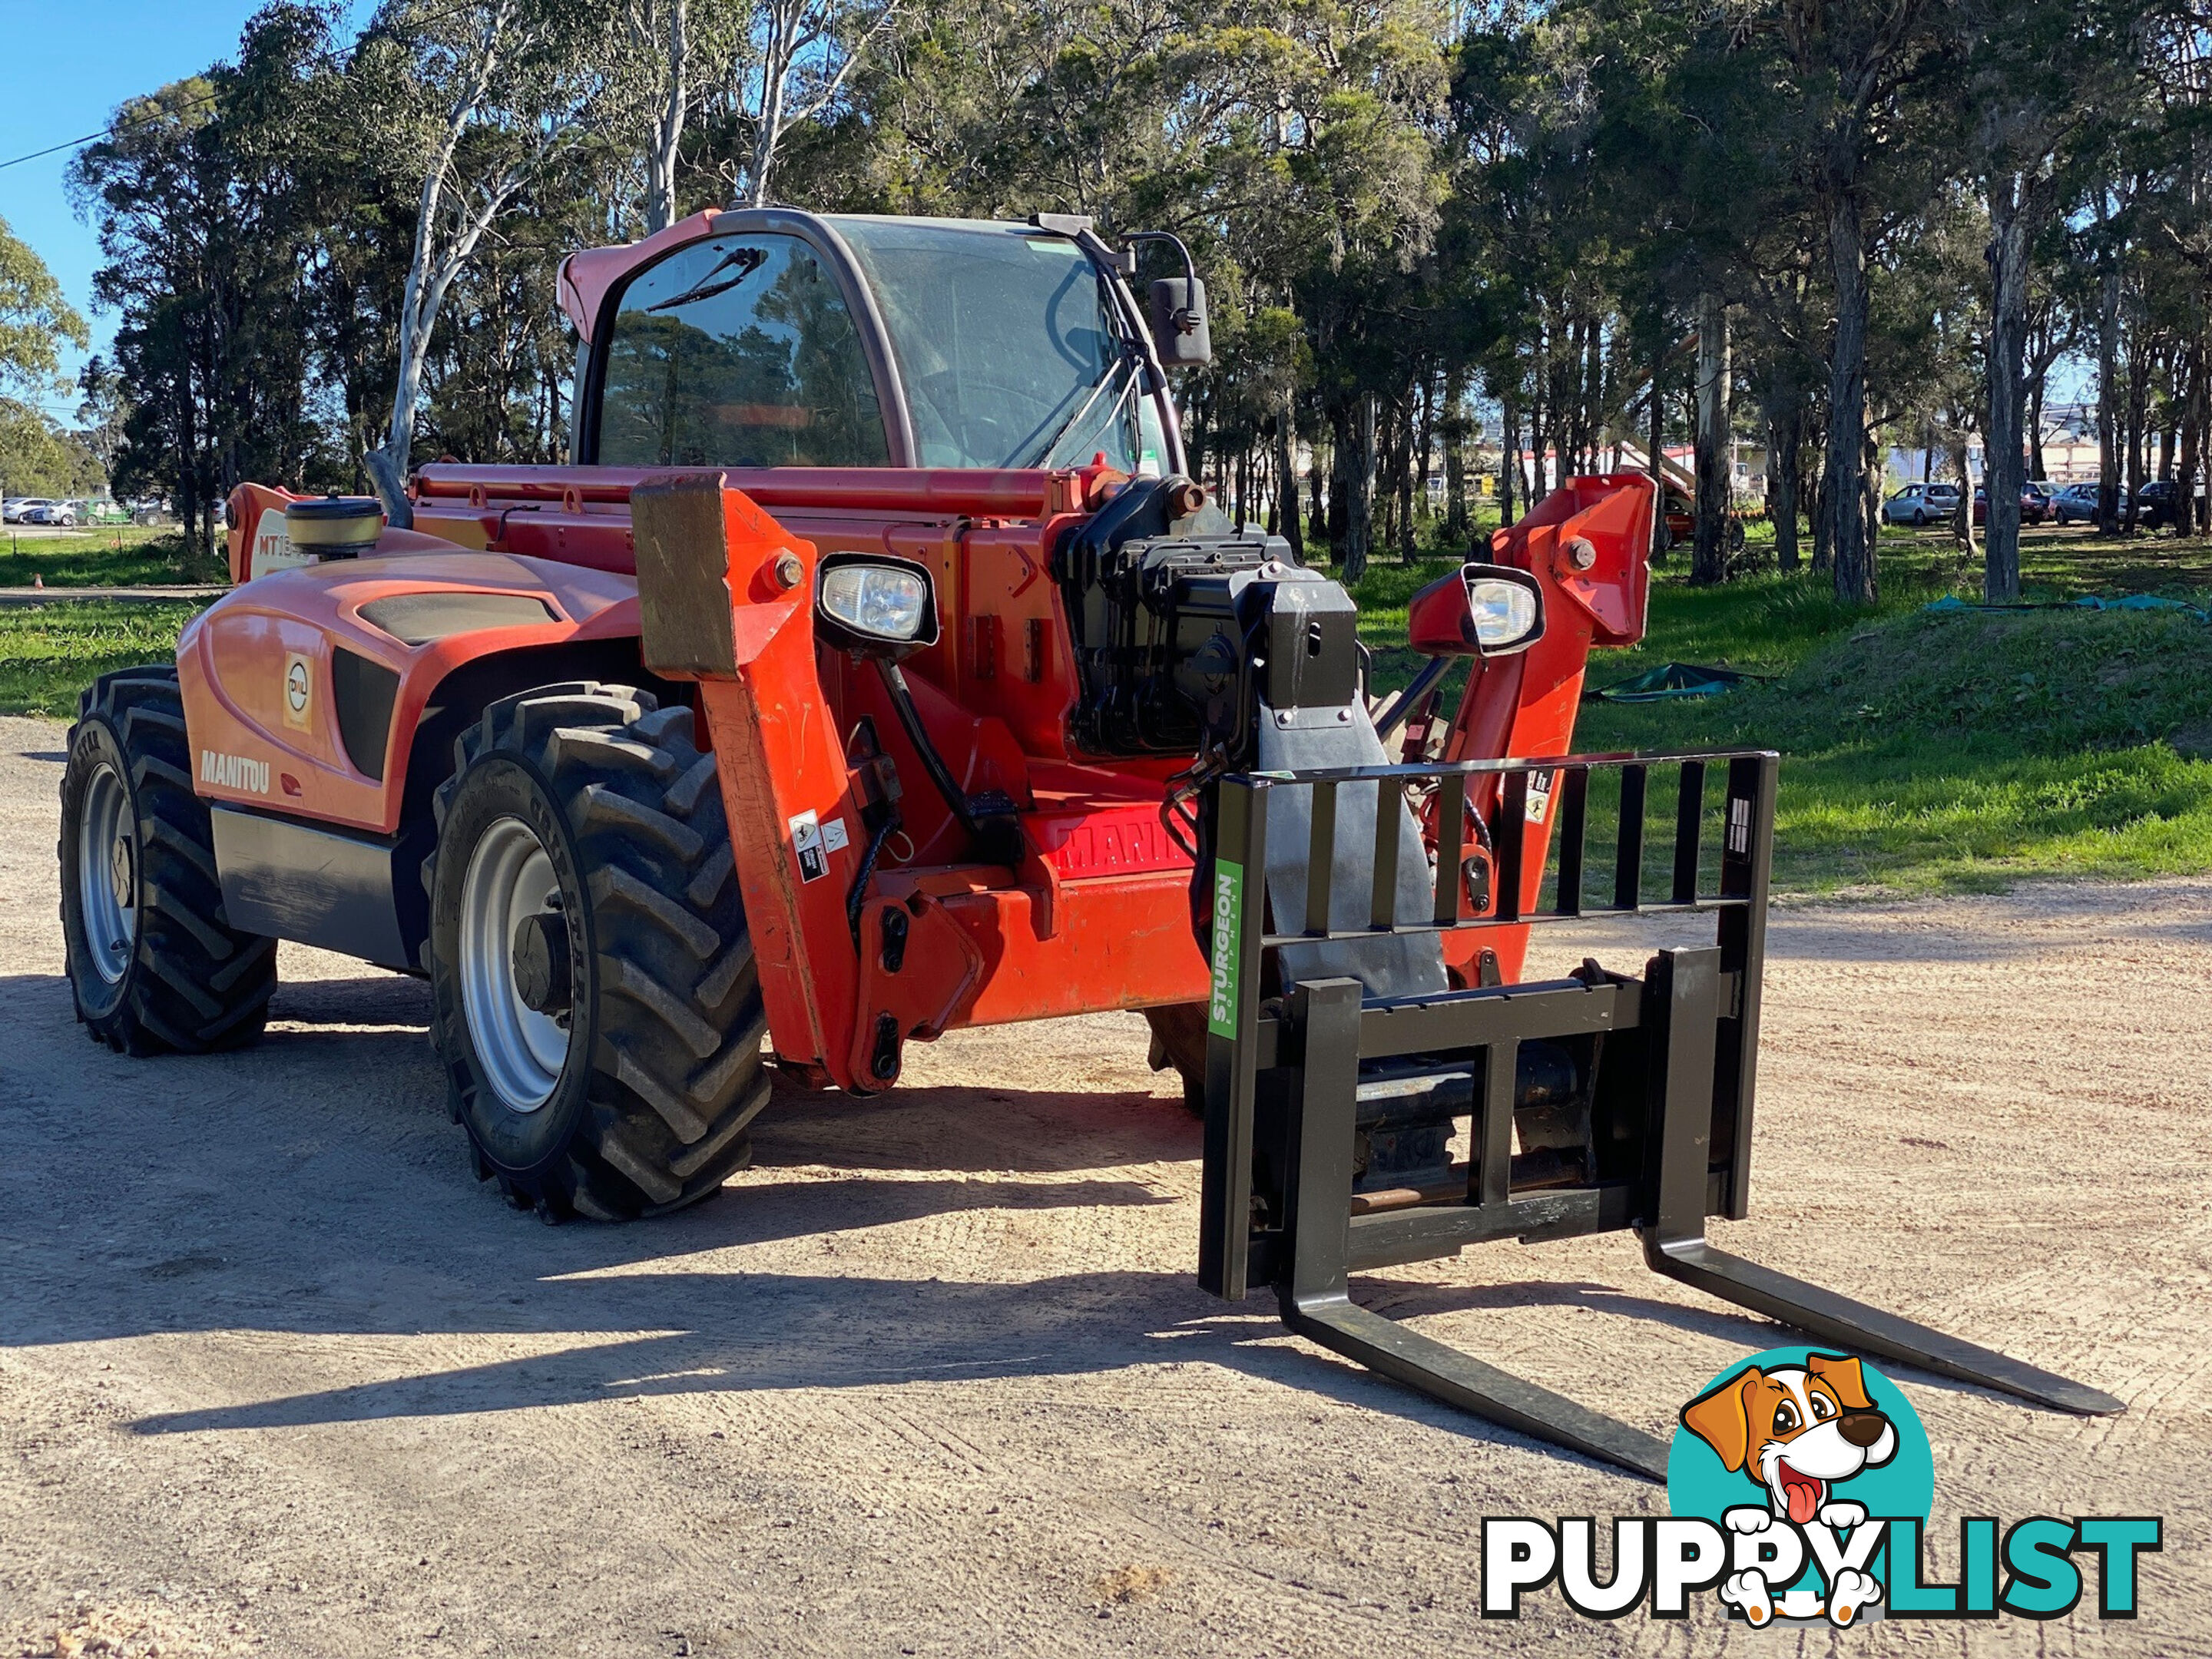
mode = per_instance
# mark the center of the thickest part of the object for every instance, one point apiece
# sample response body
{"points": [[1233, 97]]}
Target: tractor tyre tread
{"points": [[193, 984], [676, 1070]]}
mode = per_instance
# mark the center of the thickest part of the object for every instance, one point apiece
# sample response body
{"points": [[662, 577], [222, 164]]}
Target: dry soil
{"points": [[277, 1376]]}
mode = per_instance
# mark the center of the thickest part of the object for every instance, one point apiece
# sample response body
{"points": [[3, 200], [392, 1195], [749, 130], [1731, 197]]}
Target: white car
{"points": [[1918, 504], [19, 508], [63, 514]]}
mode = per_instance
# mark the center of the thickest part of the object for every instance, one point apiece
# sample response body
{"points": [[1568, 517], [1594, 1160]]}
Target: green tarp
{"points": [[1673, 680]]}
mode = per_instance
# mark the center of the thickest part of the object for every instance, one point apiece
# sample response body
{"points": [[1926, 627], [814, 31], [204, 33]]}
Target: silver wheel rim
{"points": [[107, 874], [521, 1050]]}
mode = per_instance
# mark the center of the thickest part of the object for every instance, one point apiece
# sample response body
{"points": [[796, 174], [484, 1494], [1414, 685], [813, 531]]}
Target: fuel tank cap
{"points": [[334, 527]]}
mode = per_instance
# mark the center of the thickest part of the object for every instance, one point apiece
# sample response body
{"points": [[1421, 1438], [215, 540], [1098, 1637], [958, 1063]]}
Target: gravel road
{"points": [[276, 1375]]}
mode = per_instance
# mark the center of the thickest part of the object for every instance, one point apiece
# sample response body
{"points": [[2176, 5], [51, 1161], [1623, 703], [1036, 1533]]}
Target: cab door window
{"points": [[737, 351]]}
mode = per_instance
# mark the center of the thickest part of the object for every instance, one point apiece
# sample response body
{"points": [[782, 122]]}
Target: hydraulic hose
{"points": [[998, 837]]}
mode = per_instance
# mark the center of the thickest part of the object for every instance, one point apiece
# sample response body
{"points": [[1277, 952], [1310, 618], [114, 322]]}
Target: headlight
{"points": [[1504, 613], [870, 604]]}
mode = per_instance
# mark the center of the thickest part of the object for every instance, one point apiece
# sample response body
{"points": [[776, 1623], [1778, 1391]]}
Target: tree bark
{"points": [[1785, 431], [1359, 477], [1708, 563], [1286, 478], [2011, 224], [2108, 390], [667, 135], [1962, 516], [1509, 468], [1851, 558]]}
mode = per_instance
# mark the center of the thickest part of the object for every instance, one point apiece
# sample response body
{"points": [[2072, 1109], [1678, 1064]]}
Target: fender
{"points": [[304, 689]]}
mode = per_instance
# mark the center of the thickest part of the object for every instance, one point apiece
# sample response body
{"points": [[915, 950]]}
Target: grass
{"points": [[1933, 752], [125, 556], [49, 653]]}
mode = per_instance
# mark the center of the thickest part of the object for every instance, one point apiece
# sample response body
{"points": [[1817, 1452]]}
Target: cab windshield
{"points": [[1006, 346]]}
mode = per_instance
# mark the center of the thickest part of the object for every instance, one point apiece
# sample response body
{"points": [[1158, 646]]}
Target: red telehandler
{"points": [[876, 669]]}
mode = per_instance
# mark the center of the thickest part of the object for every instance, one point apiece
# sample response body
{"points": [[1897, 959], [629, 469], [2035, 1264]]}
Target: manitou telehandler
{"points": [[876, 669]]}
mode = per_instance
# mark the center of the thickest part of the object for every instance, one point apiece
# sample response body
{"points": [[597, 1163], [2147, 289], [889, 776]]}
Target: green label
{"points": [[1228, 947]]}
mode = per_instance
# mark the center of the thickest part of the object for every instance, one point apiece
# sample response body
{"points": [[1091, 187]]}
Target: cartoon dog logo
{"points": [[1797, 1433]]}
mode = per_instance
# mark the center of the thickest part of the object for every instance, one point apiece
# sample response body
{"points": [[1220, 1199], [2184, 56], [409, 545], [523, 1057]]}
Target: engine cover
{"points": [[1167, 628]]}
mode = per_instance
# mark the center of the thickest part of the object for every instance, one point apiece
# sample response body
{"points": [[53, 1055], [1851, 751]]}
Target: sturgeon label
{"points": [[1228, 947]]}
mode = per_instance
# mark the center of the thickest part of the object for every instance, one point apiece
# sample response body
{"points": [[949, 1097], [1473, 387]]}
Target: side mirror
{"points": [[1478, 611], [1178, 318], [875, 606]]}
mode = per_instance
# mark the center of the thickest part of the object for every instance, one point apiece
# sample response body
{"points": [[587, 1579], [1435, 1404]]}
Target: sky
{"points": [[67, 64]]}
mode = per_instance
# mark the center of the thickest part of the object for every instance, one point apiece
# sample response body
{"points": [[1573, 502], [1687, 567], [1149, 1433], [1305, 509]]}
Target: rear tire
{"points": [[592, 795], [153, 963], [1179, 1034]]}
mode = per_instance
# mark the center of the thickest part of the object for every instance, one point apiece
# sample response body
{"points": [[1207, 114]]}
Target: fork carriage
{"points": [[1641, 1088]]}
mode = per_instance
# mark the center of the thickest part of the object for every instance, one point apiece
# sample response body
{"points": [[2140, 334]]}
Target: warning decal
{"points": [[806, 842]]}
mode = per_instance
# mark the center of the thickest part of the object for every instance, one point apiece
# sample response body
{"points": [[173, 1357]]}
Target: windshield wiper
{"points": [[707, 287], [1075, 421]]}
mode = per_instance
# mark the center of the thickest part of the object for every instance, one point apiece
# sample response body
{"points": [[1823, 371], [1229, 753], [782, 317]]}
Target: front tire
{"points": [[597, 1007], [153, 963]]}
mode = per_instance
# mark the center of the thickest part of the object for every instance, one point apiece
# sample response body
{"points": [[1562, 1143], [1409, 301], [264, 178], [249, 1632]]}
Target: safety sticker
{"points": [[1540, 794], [806, 842], [299, 690], [834, 836]]}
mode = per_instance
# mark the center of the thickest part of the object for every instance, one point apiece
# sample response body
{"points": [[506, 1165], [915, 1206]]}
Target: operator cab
{"points": [[779, 339]]}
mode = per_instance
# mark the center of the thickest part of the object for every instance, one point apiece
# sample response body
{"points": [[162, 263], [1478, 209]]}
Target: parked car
{"points": [[1918, 504], [2076, 504], [11, 510], [63, 514], [20, 509], [105, 511], [2154, 504], [2033, 509]]}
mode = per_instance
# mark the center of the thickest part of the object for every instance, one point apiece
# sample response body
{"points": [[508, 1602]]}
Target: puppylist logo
{"points": [[1800, 1483]]}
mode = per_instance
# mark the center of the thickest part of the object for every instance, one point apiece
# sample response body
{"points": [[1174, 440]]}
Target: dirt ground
{"points": [[277, 1376]]}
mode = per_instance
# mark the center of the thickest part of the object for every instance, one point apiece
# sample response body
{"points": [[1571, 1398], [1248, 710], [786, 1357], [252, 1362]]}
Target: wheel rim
{"points": [[521, 1051], [107, 874]]}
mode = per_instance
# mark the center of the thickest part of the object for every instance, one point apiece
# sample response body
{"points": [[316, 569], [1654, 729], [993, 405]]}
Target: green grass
{"points": [[1928, 752], [125, 556], [49, 653]]}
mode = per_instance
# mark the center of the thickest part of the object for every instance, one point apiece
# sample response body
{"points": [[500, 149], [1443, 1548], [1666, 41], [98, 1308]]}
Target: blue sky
{"points": [[66, 66]]}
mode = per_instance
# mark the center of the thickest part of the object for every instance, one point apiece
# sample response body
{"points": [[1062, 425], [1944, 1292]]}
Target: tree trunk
{"points": [[1785, 429], [2108, 394], [2011, 226], [1710, 563], [2036, 469], [2187, 520], [667, 136], [1453, 428], [1851, 558], [1824, 547], [1962, 517], [1286, 478], [1508, 460], [1359, 480], [1871, 491], [1340, 488]]}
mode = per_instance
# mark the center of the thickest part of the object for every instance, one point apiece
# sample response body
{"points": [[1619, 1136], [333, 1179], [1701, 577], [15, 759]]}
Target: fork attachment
{"points": [[1654, 1134]]}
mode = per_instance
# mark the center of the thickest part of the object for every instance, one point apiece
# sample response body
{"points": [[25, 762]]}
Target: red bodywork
{"points": [[1097, 918]]}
